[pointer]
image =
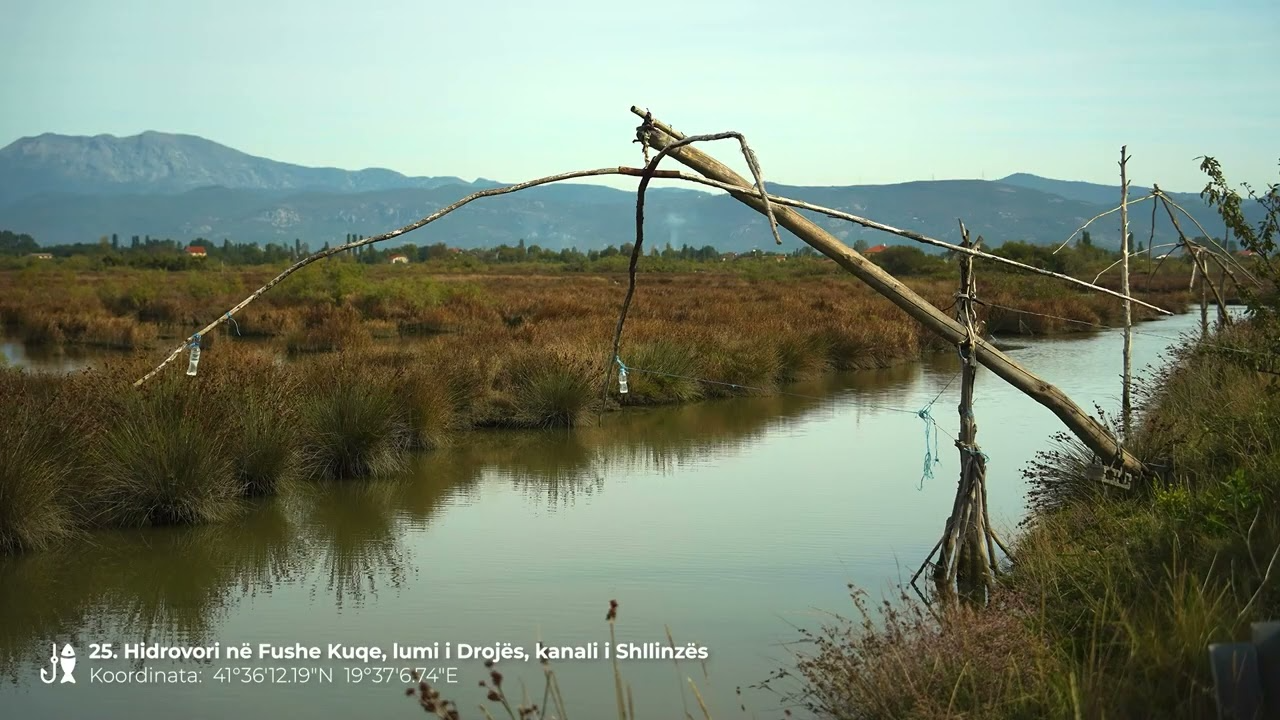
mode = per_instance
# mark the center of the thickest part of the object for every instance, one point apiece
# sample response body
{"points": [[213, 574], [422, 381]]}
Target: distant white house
{"points": [[196, 251], [399, 259], [41, 256]]}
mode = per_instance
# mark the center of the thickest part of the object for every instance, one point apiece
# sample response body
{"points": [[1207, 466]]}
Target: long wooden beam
{"points": [[1088, 429]]}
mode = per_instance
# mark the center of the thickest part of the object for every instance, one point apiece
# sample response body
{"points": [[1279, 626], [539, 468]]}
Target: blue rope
{"points": [[931, 455], [195, 341], [233, 322]]}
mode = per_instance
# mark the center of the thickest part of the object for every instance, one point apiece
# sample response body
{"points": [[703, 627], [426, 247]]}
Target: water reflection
{"points": [[351, 530], [346, 540], [51, 359]]}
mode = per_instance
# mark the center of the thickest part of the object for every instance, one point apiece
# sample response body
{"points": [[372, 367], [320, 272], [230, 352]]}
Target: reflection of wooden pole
{"points": [[1204, 306], [1090, 431], [1126, 403], [1222, 293]]}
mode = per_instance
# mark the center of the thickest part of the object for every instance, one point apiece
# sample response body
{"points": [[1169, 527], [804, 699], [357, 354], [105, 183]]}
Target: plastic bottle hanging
{"points": [[622, 381], [195, 358]]}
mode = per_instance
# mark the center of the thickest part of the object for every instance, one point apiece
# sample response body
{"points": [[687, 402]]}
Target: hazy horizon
{"points": [[876, 95]]}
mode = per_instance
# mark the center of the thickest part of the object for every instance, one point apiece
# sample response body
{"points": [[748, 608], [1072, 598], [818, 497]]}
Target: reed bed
{"points": [[338, 304], [480, 350]]}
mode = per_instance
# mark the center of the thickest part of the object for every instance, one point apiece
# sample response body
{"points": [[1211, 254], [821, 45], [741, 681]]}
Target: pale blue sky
{"points": [[868, 92]]}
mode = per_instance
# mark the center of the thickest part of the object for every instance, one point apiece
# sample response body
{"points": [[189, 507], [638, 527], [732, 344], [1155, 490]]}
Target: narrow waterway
{"points": [[728, 521]]}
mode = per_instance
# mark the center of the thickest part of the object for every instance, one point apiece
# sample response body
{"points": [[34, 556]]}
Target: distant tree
{"points": [[905, 260], [1037, 255], [860, 245], [12, 243], [115, 241]]}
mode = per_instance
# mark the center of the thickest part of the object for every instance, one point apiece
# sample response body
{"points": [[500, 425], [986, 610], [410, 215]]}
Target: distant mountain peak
{"points": [[163, 163]]}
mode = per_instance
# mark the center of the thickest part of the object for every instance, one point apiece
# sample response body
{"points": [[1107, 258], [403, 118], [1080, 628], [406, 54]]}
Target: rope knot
{"points": [[642, 134]]}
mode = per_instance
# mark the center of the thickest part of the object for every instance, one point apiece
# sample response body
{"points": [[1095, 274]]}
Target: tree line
{"points": [[167, 254]]}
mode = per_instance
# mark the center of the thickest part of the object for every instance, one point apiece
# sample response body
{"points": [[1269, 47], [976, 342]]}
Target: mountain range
{"points": [[65, 189]]}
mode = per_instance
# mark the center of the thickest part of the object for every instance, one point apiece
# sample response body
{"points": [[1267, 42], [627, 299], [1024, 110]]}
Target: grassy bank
{"points": [[1115, 596]]}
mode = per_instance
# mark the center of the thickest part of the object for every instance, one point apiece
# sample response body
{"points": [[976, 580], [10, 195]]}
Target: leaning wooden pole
{"points": [[1091, 432], [1126, 401], [1196, 251]]}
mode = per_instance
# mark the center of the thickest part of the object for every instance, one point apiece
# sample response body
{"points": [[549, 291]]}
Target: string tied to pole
{"points": [[233, 322], [642, 135], [931, 454], [974, 451]]}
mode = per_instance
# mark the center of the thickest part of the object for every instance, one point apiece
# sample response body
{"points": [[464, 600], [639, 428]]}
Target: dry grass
{"points": [[338, 304]]}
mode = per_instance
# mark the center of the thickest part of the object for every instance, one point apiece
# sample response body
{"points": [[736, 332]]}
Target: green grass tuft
{"points": [[663, 356], [39, 468], [163, 459], [352, 424], [549, 388]]}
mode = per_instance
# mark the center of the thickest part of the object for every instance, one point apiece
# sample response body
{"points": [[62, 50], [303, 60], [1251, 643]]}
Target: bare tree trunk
{"points": [[1126, 403]]}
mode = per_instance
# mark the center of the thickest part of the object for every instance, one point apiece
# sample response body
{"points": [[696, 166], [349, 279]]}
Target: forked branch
{"points": [[491, 192]]}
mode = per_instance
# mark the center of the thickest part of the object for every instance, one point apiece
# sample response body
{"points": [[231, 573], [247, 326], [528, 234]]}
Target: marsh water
{"points": [[732, 522]]}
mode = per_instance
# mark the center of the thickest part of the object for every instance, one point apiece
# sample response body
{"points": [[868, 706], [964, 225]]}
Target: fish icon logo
{"points": [[67, 661]]}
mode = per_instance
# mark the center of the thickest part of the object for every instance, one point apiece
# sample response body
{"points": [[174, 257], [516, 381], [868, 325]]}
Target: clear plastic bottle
{"points": [[622, 381], [195, 359]]}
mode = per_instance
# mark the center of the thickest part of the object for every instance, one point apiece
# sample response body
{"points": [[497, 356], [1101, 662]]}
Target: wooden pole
{"points": [[975, 570], [966, 565], [1126, 402], [1091, 432]]}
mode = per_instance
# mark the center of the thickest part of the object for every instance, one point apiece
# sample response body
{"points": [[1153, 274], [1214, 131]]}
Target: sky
{"points": [[827, 93]]}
